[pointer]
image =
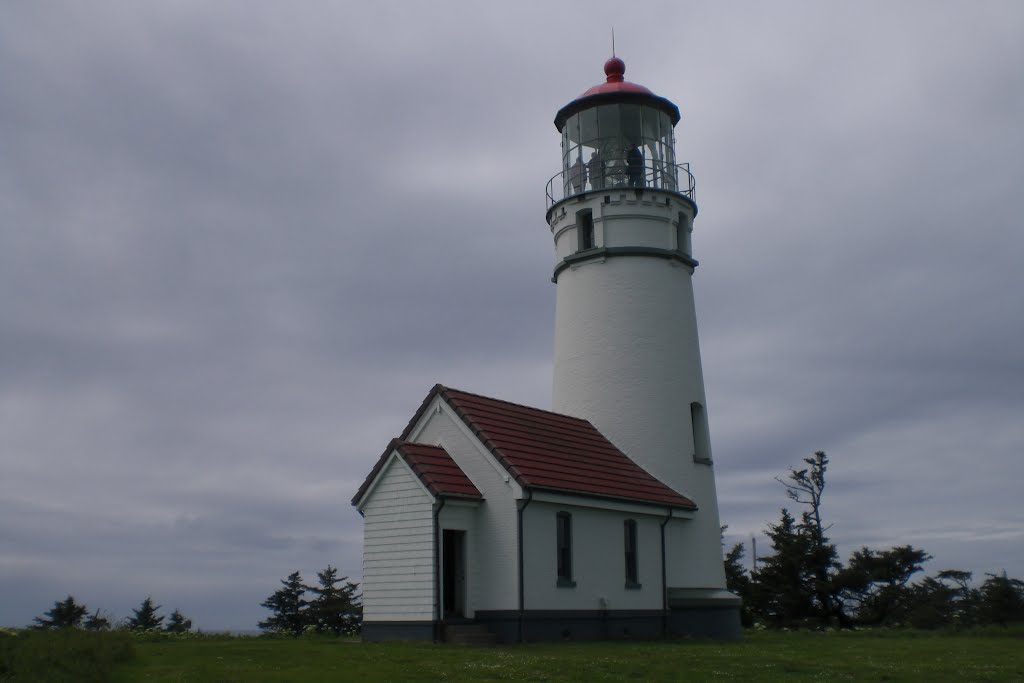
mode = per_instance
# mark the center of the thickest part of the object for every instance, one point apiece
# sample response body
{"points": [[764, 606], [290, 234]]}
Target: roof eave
{"points": [[367, 484], [623, 97], [624, 499]]}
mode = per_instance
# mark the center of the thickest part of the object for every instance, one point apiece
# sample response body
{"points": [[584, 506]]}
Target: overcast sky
{"points": [[240, 242]]}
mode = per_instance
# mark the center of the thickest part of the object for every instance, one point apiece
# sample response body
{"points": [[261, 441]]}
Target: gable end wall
{"points": [[493, 564], [398, 548]]}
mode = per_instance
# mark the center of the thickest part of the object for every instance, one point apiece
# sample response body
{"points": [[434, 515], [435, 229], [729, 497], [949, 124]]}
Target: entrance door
{"points": [[453, 581]]}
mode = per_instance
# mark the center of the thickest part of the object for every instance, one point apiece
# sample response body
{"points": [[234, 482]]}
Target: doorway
{"points": [[453, 577]]}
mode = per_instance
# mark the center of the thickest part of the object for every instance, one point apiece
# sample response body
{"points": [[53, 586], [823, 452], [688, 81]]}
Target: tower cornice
{"points": [[603, 253]]}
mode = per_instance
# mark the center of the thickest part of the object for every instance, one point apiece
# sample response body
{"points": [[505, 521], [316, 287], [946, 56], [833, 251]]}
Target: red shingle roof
{"points": [[545, 450], [434, 467]]}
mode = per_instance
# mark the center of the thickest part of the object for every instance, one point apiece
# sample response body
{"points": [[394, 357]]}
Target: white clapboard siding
{"points": [[398, 548], [398, 528], [386, 573], [598, 559], [394, 583], [398, 543]]}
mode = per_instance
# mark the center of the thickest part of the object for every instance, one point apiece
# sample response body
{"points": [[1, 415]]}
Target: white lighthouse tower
{"points": [[627, 357]]}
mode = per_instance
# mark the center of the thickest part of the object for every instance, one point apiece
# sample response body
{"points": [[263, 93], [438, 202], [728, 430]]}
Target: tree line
{"points": [[334, 608], [802, 583], [69, 613]]}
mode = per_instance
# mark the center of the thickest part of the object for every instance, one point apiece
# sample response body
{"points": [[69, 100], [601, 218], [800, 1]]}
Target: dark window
{"points": [[564, 533], [585, 229], [701, 441], [629, 544], [683, 234]]}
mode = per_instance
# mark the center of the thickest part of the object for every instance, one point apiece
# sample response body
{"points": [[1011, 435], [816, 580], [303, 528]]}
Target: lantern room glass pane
{"points": [[590, 145], [609, 127], [633, 156], [632, 125], [572, 165], [666, 139], [588, 127]]}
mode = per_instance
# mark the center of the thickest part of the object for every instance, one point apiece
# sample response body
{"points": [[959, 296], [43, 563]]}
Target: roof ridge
{"points": [[512, 403]]}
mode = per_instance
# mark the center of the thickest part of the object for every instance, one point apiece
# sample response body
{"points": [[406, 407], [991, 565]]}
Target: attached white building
{"points": [[599, 520], [524, 520]]}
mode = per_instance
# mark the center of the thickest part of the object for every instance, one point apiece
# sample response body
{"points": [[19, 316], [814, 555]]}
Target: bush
{"points": [[67, 654]]}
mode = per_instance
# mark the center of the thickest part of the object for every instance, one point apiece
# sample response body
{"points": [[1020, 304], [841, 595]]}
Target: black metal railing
{"points": [[650, 174]]}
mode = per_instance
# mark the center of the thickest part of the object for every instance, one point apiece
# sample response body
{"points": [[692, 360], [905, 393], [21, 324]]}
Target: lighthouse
{"points": [[487, 520], [627, 357]]}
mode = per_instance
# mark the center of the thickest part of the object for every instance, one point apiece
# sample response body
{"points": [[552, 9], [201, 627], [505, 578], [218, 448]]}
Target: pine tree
{"points": [[177, 623], [945, 600], [737, 581], [65, 614], [783, 589], [288, 607], [334, 609], [97, 622], [1001, 600], [874, 584], [145, 618], [807, 487]]}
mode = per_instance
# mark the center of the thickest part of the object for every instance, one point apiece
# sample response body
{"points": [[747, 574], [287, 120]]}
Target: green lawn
{"points": [[804, 656]]}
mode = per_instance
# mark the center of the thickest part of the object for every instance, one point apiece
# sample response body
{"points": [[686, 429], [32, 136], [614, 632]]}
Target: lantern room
{"points": [[618, 134]]}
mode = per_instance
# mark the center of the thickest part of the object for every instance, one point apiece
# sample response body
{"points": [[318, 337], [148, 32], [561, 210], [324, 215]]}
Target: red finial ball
{"points": [[614, 68]]}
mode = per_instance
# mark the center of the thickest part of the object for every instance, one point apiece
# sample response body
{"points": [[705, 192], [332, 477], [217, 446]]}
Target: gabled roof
{"points": [[432, 465], [554, 452]]}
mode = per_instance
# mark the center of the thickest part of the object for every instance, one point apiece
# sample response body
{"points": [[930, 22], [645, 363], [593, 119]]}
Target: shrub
{"points": [[67, 654]]}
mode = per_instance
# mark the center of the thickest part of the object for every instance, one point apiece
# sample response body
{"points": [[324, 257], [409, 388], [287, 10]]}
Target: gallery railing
{"points": [[579, 179]]}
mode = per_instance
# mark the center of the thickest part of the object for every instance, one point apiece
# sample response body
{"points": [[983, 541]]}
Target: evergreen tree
{"points": [[945, 600], [738, 581], [874, 584], [288, 607], [145, 617], [783, 583], [803, 580], [1001, 600], [334, 609], [177, 623], [807, 487], [964, 599], [65, 614], [97, 622]]}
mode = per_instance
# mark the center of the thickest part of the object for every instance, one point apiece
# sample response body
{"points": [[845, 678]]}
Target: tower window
{"points": [[701, 440], [585, 229], [629, 546], [683, 233], [563, 527]]}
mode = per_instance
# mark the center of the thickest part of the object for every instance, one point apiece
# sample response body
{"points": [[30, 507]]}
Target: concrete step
{"points": [[473, 635]]}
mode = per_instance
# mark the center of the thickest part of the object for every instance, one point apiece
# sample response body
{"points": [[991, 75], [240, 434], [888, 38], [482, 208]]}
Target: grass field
{"points": [[995, 655], [759, 657]]}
